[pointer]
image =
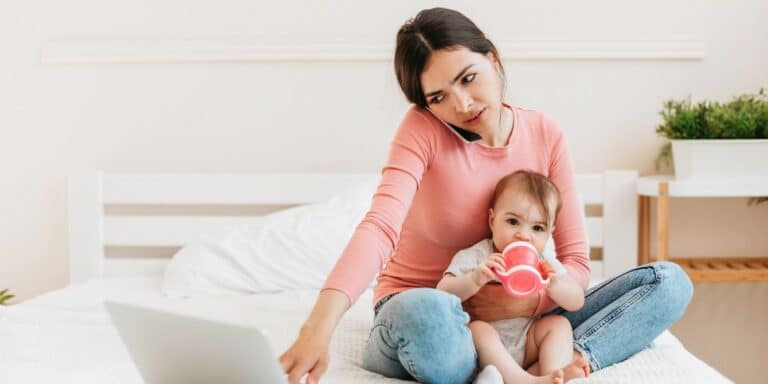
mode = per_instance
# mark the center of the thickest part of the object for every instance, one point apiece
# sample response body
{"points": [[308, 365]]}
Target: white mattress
{"points": [[66, 337]]}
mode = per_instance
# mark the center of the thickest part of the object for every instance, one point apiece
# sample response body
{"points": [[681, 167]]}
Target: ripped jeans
{"points": [[422, 333]]}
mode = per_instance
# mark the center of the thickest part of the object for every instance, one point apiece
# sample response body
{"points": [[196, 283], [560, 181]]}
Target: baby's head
{"points": [[524, 208]]}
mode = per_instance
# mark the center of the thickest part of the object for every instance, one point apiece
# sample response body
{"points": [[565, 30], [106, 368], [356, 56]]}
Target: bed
{"points": [[119, 223]]}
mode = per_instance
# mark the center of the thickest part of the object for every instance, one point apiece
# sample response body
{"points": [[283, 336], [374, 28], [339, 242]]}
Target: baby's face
{"points": [[517, 218]]}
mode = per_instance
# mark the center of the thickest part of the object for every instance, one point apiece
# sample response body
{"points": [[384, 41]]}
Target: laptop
{"points": [[169, 347]]}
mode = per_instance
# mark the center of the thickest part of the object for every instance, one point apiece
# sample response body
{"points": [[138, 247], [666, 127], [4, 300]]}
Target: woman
{"points": [[452, 147]]}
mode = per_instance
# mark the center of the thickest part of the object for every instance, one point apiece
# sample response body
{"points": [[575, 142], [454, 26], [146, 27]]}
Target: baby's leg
{"points": [[491, 351], [550, 341]]}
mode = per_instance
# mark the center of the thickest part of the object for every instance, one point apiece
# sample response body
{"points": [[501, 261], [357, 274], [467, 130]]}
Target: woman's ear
{"points": [[495, 61]]}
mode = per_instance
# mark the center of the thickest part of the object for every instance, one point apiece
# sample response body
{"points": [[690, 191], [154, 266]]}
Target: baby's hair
{"points": [[536, 187]]}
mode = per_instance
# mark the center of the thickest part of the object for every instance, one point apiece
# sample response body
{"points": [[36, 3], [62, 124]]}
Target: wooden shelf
{"points": [[713, 270], [700, 270]]}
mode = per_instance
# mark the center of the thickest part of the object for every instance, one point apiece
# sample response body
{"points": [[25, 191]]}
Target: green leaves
{"points": [[744, 117], [5, 296]]}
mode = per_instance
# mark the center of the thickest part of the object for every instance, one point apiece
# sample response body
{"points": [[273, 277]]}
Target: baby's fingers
{"points": [[496, 256], [486, 271], [496, 261]]}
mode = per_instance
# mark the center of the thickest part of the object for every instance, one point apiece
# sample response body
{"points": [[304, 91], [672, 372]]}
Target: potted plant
{"points": [[713, 140], [5, 296]]}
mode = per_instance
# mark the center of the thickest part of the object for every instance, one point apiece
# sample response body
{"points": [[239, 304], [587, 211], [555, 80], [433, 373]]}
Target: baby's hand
{"points": [[549, 269], [484, 272], [552, 269]]}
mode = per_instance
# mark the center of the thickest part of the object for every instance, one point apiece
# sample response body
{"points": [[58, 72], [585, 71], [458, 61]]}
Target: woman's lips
{"points": [[472, 120]]}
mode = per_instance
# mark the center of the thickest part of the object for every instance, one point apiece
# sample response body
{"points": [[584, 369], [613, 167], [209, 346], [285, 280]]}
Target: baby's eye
{"points": [[437, 99], [469, 78], [513, 221], [539, 228]]}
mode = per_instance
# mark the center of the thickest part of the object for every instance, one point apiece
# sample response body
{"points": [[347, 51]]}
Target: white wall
{"points": [[195, 96]]}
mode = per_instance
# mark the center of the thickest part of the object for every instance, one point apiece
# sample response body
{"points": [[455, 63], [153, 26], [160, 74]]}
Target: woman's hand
{"points": [[307, 355], [493, 303]]}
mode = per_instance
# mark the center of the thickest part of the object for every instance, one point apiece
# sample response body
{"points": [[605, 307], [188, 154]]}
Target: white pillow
{"points": [[288, 249]]}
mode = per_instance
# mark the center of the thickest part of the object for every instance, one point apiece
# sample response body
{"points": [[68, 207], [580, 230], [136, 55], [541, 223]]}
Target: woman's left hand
{"points": [[493, 303]]}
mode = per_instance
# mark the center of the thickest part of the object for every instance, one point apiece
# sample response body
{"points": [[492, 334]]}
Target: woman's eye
{"points": [[512, 221], [436, 99], [468, 78]]}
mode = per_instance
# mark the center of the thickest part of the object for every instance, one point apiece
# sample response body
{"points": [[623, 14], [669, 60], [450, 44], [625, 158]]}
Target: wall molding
{"points": [[82, 51]]}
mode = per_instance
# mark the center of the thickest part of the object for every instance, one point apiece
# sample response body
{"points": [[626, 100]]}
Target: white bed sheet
{"points": [[66, 336]]}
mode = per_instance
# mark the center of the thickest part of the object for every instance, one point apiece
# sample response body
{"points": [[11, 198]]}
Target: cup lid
{"points": [[519, 244]]}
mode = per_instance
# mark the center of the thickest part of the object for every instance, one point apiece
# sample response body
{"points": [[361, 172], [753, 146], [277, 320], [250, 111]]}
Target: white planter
{"points": [[720, 159]]}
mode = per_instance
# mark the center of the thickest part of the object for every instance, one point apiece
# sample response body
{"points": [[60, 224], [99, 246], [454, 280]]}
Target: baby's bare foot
{"points": [[579, 367], [555, 377]]}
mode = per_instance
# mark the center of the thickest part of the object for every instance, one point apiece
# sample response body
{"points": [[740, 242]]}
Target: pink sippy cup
{"points": [[523, 276]]}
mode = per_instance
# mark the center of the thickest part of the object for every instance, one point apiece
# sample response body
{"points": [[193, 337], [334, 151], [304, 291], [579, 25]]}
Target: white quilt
{"points": [[66, 337]]}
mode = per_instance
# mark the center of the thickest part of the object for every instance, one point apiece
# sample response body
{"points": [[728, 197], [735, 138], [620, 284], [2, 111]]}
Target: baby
{"points": [[524, 208]]}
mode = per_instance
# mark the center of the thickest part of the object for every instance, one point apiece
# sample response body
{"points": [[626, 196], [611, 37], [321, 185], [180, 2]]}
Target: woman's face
{"points": [[464, 88]]}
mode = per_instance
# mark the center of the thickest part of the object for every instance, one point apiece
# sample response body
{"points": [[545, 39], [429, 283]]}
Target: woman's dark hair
{"points": [[431, 30]]}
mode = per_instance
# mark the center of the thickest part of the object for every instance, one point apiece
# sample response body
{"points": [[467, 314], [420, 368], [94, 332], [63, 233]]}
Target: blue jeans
{"points": [[422, 333]]}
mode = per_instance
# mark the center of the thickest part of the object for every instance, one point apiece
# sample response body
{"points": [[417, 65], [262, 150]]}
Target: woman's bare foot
{"points": [[579, 367]]}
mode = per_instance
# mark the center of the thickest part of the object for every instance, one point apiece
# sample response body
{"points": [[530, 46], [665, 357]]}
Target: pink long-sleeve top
{"points": [[433, 201]]}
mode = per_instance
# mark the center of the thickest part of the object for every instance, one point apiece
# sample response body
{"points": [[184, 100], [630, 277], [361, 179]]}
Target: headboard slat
{"points": [[230, 189], [595, 231], [91, 230], [590, 187], [166, 231]]}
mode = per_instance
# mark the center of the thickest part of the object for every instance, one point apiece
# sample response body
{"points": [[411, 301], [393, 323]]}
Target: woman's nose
{"points": [[463, 102]]}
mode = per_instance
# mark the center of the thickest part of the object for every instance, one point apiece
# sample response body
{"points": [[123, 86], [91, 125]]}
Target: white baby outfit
{"points": [[512, 331]]}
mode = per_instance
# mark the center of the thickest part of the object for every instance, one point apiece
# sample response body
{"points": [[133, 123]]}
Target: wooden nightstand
{"points": [[699, 269]]}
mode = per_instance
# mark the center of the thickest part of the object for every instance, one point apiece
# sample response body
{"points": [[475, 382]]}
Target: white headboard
{"points": [[93, 229]]}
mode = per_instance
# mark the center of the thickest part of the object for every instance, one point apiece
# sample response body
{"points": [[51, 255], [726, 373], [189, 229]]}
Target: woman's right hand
{"points": [[307, 355]]}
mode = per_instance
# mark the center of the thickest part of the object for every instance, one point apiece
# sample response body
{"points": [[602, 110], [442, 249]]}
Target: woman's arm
{"points": [[309, 353], [569, 235], [379, 232], [368, 249]]}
